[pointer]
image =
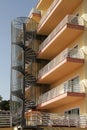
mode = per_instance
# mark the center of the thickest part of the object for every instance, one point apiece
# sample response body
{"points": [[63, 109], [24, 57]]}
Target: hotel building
{"points": [[49, 67]]}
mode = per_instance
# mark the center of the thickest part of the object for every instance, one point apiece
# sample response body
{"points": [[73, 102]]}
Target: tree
{"points": [[0, 98], [5, 105]]}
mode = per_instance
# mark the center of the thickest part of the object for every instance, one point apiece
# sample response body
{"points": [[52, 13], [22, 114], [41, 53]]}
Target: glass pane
{"points": [[75, 111], [74, 52], [72, 112]]}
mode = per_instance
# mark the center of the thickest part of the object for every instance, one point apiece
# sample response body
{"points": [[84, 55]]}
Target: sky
{"points": [[9, 10]]}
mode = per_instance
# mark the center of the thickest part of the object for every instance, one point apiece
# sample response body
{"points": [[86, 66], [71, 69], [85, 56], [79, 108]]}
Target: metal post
{"points": [[23, 110]]}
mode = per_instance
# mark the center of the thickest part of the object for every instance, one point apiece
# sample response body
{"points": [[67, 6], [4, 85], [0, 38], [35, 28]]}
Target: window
{"points": [[72, 85], [74, 52], [74, 111]]}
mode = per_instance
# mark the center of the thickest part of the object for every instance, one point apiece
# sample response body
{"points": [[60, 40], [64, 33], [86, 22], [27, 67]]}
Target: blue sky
{"points": [[9, 10]]}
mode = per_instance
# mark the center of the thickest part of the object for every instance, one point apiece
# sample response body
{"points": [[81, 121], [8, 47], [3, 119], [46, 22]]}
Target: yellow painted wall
{"points": [[69, 76], [78, 104], [85, 66], [84, 6], [84, 49], [81, 9]]}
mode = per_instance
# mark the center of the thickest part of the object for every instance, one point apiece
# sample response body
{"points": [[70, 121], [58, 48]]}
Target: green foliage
{"points": [[5, 105], [0, 98]]}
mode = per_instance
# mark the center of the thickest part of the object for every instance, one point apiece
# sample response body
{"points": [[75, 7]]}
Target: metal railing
{"points": [[69, 19], [53, 63], [61, 89], [56, 120], [5, 119], [48, 12], [17, 52]]}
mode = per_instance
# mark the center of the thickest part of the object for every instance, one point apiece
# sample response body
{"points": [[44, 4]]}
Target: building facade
{"points": [[49, 66]]}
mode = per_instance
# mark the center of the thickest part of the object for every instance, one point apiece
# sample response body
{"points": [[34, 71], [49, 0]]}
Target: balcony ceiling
{"points": [[61, 100], [43, 4], [65, 36], [61, 70], [62, 8]]}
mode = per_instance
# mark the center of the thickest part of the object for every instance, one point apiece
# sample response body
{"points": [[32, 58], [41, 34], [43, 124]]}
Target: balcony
{"points": [[50, 20], [43, 5], [35, 15], [68, 29], [64, 93], [51, 120], [60, 66]]}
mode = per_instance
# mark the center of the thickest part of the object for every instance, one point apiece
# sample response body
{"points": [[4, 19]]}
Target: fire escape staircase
{"points": [[30, 76], [29, 103]]}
